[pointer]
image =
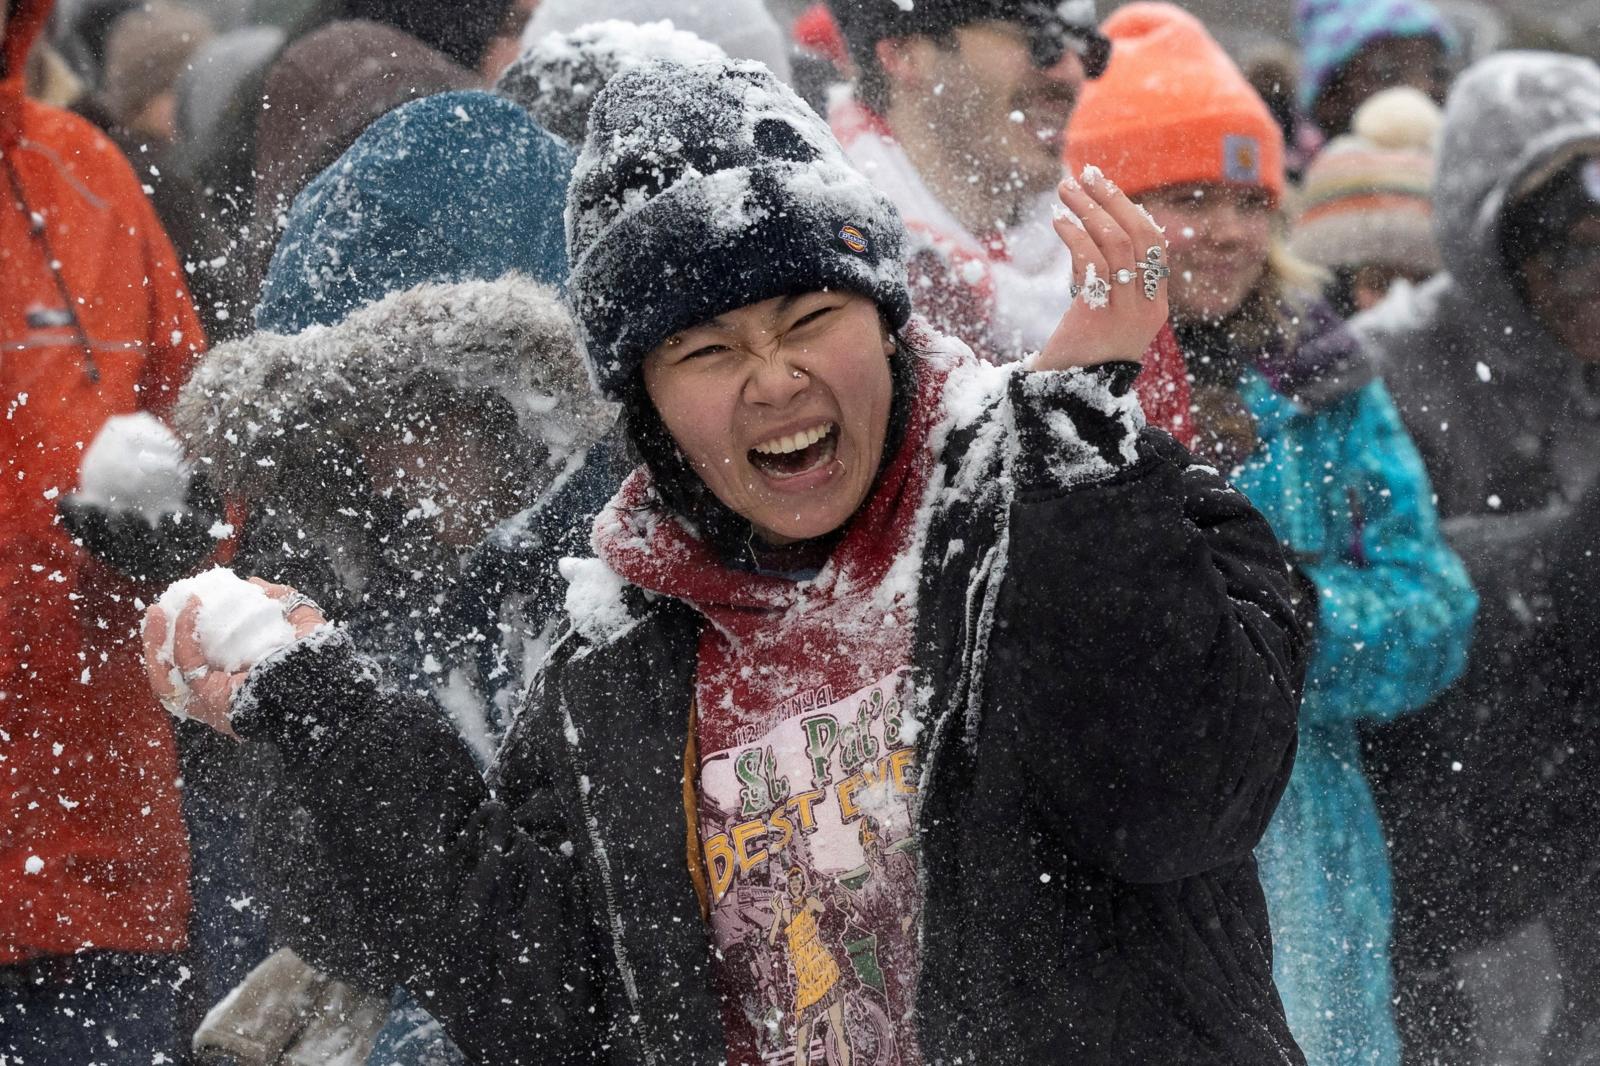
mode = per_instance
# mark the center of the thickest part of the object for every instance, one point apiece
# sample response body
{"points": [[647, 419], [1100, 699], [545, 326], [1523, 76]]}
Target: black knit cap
{"points": [[1053, 26], [705, 188]]}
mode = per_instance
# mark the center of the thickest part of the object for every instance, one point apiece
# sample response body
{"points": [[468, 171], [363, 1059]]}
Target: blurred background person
{"points": [[1490, 798], [1365, 211], [1351, 49], [1288, 403], [958, 112]]}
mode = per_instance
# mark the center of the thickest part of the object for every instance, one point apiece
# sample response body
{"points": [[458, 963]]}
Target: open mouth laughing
{"points": [[798, 453]]}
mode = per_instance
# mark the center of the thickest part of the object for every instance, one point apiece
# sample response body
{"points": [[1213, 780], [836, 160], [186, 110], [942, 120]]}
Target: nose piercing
{"points": [[797, 374]]}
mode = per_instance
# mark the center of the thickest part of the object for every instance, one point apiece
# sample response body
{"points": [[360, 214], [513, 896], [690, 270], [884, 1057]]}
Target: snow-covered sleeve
{"points": [[1396, 610], [1146, 657], [422, 875], [1074, 426]]}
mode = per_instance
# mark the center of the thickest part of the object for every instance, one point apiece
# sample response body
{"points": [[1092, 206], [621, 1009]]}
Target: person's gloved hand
{"points": [[156, 549]]}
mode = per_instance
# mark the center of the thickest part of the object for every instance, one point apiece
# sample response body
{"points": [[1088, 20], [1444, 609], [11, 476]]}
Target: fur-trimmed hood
{"points": [[270, 417]]}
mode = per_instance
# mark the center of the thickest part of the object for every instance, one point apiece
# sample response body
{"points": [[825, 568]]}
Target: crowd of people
{"points": [[867, 533]]}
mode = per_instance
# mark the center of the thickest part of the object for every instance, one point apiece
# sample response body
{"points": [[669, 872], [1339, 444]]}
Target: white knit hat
{"points": [[744, 29]]}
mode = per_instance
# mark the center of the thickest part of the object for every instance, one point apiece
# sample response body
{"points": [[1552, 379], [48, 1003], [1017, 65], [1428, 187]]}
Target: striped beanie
{"points": [[1367, 197], [1332, 31]]}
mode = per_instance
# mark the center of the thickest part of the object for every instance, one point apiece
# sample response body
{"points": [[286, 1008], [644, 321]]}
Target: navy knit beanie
{"points": [[705, 188]]}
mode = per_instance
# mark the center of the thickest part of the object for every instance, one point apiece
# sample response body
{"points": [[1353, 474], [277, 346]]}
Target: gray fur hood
{"points": [[266, 415]]}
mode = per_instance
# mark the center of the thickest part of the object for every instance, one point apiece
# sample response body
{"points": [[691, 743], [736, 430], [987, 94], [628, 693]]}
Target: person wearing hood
{"points": [[864, 592], [410, 453], [957, 112], [1492, 364], [323, 91], [1289, 404], [95, 321], [433, 191], [472, 188]]}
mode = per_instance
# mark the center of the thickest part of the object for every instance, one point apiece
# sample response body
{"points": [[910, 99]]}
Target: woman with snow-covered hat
{"points": [[860, 589]]}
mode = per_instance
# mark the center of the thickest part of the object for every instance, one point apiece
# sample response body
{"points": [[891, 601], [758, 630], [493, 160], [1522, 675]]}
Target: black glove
{"points": [[125, 539]]}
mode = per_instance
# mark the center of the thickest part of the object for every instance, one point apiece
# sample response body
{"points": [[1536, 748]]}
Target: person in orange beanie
{"points": [[1288, 403]]}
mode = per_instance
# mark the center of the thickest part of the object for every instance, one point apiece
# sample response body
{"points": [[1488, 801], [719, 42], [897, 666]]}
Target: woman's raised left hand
{"points": [[1119, 269]]}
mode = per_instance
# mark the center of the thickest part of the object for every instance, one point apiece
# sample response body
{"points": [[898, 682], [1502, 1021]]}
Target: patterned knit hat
{"points": [[705, 188], [1173, 109], [1332, 31], [1367, 197]]}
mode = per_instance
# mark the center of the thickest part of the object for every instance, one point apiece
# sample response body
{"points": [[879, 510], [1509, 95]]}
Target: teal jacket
{"points": [[1340, 482]]}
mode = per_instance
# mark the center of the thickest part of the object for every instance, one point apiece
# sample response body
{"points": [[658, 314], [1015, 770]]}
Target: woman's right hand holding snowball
{"points": [[188, 681]]}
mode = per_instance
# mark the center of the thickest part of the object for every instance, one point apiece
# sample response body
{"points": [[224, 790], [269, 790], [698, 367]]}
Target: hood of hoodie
{"points": [[278, 419], [457, 186], [329, 86], [1511, 121], [23, 28]]}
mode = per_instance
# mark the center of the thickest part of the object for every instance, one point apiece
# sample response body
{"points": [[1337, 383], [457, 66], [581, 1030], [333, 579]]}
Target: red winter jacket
{"points": [[95, 320]]}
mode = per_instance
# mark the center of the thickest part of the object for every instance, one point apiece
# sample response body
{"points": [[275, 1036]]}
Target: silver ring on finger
{"points": [[1073, 291], [1123, 276], [194, 674], [1096, 291], [1154, 272], [294, 601]]}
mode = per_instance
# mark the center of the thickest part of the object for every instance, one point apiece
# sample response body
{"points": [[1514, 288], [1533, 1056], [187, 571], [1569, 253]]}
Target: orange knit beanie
{"points": [[1173, 109]]}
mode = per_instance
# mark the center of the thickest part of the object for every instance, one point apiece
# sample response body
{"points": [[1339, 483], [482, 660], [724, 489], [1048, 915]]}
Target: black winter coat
{"points": [[1108, 669]]}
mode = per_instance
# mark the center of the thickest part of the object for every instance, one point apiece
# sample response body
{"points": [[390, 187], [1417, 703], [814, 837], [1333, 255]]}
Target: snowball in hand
{"points": [[135, 464], [238, 623]]}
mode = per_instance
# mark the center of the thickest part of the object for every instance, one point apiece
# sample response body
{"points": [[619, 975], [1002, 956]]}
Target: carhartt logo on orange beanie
{"points": [[1173, 109]]}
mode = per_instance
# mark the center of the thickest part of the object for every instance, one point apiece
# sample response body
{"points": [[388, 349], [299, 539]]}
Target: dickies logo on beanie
{"points": [[1241, 159], [707, 187]]}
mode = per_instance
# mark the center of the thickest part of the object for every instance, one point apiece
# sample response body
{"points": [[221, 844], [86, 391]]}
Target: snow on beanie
{"points": [[1331, 32], [744, 29], [1368, 196], [1173, 109], [557, 79], [705, 188]]}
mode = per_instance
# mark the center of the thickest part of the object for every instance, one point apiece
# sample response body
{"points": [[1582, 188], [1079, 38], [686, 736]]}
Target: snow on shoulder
{"points": [[595, 603]]}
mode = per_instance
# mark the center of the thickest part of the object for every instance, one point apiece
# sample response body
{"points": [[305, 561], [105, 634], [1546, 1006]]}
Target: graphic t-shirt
{"points": [[805, 746], [805, 826]]}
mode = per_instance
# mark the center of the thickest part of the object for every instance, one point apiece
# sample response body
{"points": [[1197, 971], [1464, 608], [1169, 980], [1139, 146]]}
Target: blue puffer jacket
{"points": [[1339, 480], [448, 188]]}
